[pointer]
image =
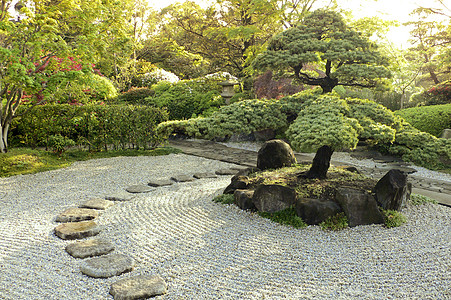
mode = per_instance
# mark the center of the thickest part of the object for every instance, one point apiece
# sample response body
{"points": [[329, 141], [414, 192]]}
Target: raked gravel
{"points": [[205, 250]]}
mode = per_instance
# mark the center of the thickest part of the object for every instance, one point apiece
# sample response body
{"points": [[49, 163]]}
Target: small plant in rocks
{"points": [[393, 218], [335, 223], [416, 199], [285, 217], [224, 199]]}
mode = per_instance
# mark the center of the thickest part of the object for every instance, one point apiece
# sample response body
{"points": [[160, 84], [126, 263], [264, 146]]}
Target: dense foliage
{"points": [[95, 126], [431, 119]]}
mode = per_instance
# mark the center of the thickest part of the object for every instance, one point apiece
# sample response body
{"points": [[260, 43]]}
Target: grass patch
{"points": [[335, 223], [224, 199], [416, 199], [19, 161], [393, 218], [285, 217]]}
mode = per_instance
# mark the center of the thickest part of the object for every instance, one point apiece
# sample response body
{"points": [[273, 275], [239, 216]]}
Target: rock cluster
{"points": [[360, 206]]}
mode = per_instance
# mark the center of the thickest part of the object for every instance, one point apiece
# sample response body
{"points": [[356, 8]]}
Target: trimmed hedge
{"points": [[95, 126], [431, 119]]}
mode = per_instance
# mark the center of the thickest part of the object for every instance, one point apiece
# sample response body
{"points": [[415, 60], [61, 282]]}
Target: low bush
{"points": [[136, 95], [224, 199], [431, 119], [94, 126], [416, 199], [285, 217], [335, 223], [58, 143], [393, 218]]}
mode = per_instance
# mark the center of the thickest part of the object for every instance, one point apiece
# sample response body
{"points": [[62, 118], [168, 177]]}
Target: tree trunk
{"points": [[328, 84], [321, 163], [4, 139]]}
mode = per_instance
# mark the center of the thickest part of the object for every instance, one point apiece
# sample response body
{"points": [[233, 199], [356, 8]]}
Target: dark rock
{"points": [[246, 172], [446, 134], [321, 163], [161, 182], [238, 183], [273, 198], [182, 178], [138, 287], [264, 135], [315, 211], [275, 154], [359, 206], [352, 169], [243, 199], [392, 190]]}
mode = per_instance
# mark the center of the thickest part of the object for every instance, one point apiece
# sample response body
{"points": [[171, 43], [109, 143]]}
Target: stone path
{"points": [[99, 259], [436, 189]]}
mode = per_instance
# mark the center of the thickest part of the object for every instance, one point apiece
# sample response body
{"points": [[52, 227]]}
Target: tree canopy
{"points": [[325, 51]]}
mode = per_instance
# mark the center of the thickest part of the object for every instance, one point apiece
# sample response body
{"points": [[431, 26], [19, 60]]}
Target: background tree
{"points": [[339, 54]]}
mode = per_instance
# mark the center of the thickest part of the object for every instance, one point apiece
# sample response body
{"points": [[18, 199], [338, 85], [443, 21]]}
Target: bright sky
{"points": [[398, 10]]}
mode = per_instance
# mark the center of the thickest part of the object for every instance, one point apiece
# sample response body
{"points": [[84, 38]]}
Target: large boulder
{"points": [[272, 198], [392, 191], [359, 206], [243, 199], [315, 211], [446, 134], [237, 183], [275, 154]]}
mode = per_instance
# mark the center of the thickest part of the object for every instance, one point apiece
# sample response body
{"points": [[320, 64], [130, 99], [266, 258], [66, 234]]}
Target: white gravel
{"points": [[205, 250]]}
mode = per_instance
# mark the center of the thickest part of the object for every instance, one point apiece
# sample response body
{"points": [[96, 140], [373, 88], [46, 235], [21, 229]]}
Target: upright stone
{"points": [[77, 230], [237, 182], [107, 265], [138, 287], [392, 190], [275, 154], [359, 206], [243, 199], [75, 214], [273, 198], [321, 163]]}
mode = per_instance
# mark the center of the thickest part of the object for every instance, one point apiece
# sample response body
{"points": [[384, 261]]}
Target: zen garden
{"points": [[224, 149]]}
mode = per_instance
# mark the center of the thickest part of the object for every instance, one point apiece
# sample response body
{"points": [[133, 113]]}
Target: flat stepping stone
{"points": [[139, 188], [182, 178], [205, 175], [76, 214], [226, 172], [160, 182], [97, 203], [107, 265], [77, 230], [89, 248], [138, 287], [120, 196]]}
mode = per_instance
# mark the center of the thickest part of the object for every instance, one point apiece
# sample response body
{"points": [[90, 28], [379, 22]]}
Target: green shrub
{"points": [[136, 95], [416, 199], [431, 119], [96, 126], [224, 199], [58, 143], [285, 217], [337, 222], [393, 218]]}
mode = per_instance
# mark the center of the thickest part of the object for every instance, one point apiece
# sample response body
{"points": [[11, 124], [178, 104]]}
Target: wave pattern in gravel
{"points": [[206, 250]]}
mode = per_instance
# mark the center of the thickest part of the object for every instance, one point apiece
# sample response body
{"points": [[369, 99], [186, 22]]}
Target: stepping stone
{"points": [[97, 203], [226, 172], [107, 265], [76, 214], [138, 287], [204, 175], [161, 182], [120, 196], [77, 230], [92, 247], [182, 178], [139, 188]]}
